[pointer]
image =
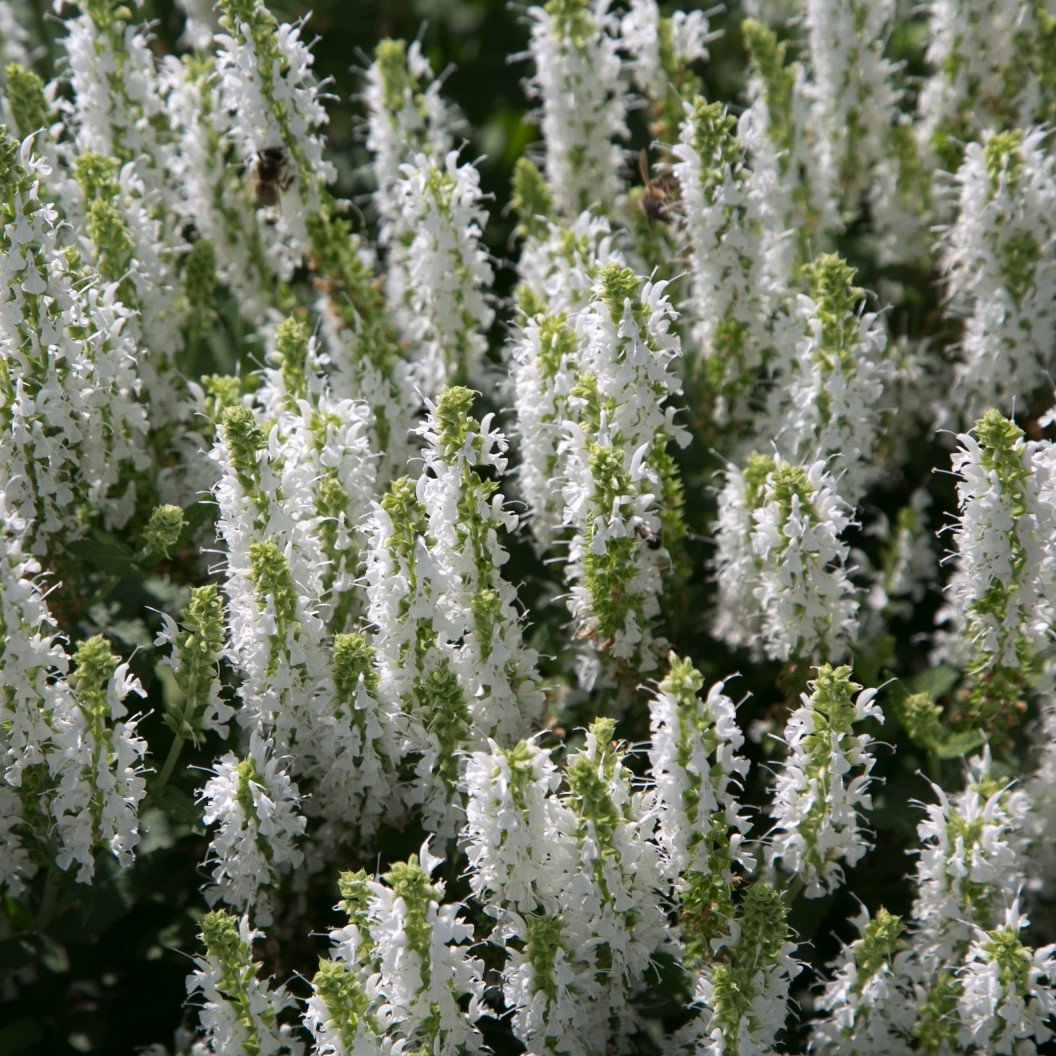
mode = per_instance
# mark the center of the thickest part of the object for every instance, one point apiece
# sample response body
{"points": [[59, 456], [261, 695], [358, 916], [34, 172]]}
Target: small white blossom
{"points": [[698, 773], [867, 1010], [781, 565]]}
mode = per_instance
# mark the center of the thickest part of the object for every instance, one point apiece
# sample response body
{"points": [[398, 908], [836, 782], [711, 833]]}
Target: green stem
{"points": [[170, 763]]}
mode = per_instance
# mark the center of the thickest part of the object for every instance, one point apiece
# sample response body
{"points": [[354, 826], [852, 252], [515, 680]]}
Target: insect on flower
{"points": [[271, 175], [656, 194], [653, 540]]}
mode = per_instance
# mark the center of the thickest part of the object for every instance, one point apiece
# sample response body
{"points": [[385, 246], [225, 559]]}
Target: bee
{"points": [[656, 194], [270, 176], [652, 539]]}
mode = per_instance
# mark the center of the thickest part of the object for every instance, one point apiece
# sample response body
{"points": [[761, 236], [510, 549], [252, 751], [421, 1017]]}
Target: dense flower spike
{"points": [[254, 805], [979, 53], [273, 102], [580, 94], [239, 1010], [663, 50], [439, 271], [823, 786], [853, 91], [698, 774], [477, 606], [96, 761], [866, 1011], [828, 396], [781, 565], [777, 129], [969, 860], [613, 923], [724, 219], [415, 660], [401, 969], [743, 999], [1000, 262], [73, 429], [1007, 989], [617, 477], [407, 116], [1003, 588], [30, 656]]}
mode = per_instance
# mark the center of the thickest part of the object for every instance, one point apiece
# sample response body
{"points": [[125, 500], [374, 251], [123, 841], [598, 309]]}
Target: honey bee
{"points": [[270, 176], [656, 194], [652, 539]]}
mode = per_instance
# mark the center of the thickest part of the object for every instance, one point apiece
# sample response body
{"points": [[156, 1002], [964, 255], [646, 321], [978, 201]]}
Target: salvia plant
{"points": [[549, 557]]}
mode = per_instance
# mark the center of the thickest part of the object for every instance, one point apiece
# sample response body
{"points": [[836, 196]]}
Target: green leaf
{"points": [[107, 555], [955, 745], [937, 681], [179, 807]]}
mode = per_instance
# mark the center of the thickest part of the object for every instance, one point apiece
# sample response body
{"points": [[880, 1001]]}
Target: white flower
{"points": [[970, 857], [1000, 262], [96, 761], [613, 468], [255, 807], [822, 789], [724, 219], [410, 952], [72, 424], [698, 773], [349, 743], [115, 116], [416, 661], [560, 267], [275, 572], [514, 827], [742, 1000], [867, 1010], [577, 83], [1007, 990], [780, 132], [973, 51], [213, 196], [238, 1011], [439, 272], [828, 397], [271, 99], [406, 116], [781, 565], [657, 43], [615, 888], [853, 92], [477, 608], [1002, 592]]}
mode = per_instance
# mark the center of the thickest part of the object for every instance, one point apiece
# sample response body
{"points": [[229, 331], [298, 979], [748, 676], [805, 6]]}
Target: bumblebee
{"points": [[271, 175], [652, 539], [656, 194]]}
